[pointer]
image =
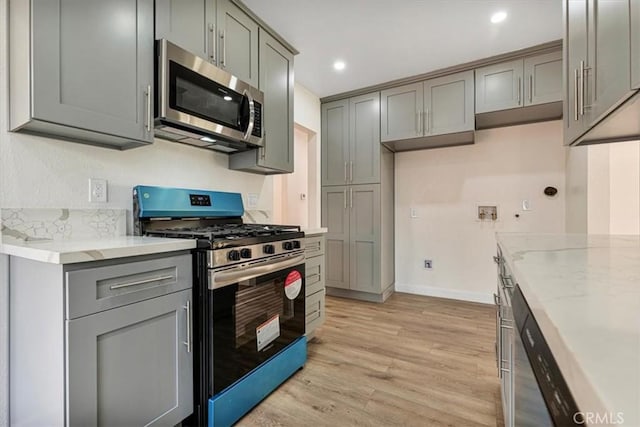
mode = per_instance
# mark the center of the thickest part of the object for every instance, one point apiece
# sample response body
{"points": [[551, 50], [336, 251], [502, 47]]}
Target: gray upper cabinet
{"points": [[576, 53], [335, 142], [364, 139], [189, 24], [131, 365], [351, 141], [276, 81], [448, 104], [499, 86], [601, 70], [543, 78], [238, 42], [401, 112], [91, 69], [635, 44]]}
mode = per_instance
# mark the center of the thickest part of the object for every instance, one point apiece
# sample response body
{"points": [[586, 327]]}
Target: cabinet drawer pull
{"points": [[223, 36], [507, 281], [519, 89], [582, 87], [576, 96], [188, 314], [351, 197], [530, 88], [351, 171], [140, 282], [496, 300]]}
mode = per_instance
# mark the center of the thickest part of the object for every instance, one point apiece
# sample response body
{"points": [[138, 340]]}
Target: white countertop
{"points": [[584, 292], [73, 251], [317, 230]]}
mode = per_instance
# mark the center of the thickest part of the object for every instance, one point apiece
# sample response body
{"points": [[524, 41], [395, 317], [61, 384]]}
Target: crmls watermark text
{"points": [[595, 418]]}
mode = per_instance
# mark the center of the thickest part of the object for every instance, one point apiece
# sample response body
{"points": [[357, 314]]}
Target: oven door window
{"points": [[196, 95], [253, 320]]}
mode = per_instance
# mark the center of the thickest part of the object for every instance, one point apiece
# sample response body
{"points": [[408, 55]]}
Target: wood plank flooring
{"points": [[412, 361]]}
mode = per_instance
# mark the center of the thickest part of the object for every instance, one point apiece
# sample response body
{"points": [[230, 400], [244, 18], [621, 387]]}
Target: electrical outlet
{"points": [[252, 200], [428, 264], [488, 213], [97, 190]]}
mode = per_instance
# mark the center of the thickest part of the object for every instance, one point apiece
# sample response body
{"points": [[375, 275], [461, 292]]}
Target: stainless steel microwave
{"points": [[199, 104]]}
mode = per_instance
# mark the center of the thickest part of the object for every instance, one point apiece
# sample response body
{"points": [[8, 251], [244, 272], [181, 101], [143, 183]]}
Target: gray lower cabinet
{"points": [[314, 282], [276, 81], [237, 42], [434, 113], [351, 141], [83, 70], [101, 343], [189, 24], [131, 365]]}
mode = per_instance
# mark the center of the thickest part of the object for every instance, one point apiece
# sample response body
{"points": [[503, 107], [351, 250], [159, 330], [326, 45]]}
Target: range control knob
{"points": [[269, 249], [234, 255], [296, 244], [287, 246], [245, 253]]}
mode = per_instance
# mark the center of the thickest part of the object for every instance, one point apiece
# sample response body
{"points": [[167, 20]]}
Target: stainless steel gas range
{"points": [[249, 297]]}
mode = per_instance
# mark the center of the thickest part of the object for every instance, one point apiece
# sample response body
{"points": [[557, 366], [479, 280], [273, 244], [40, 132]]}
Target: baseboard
{"points": [[431, 291], [362, 296]]}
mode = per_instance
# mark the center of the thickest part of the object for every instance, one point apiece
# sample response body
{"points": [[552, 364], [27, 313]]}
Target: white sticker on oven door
{"points": [[293, 284], [268, 331]]}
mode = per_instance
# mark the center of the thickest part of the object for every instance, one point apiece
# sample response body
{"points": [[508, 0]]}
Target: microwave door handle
{"points": [[235, 275], [252, 115]]}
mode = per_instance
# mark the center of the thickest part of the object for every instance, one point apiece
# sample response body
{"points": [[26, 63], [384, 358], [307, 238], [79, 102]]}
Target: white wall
{"points": [[605, 180], [445, 186]]}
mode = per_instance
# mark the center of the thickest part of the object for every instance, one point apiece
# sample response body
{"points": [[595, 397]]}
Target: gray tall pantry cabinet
{"points": [[82, 70], [357, 200]]}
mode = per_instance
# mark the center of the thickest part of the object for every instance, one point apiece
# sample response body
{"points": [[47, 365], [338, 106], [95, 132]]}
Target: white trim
{"points": [[445, 293]]}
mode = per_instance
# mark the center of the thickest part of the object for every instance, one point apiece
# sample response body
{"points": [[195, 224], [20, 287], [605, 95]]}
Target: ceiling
{"points": [[382, 40]]}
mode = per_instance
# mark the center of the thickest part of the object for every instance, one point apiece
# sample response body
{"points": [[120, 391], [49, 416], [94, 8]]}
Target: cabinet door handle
{"points": [[496, 300], [351, 198], [344, 196], [428, 121], [351, 171], [212, 43], [140, 282], [223, 36], [497, 259], [582, 87], [346, 176], [519, 89], [188, 315], [505, 370], [419, 122], [576, 96], [507, 282], [147, 120], [530, 88]]}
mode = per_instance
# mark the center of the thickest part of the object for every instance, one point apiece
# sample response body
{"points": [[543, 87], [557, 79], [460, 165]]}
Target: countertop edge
{"points": [[95, 254], [585, 394], [314, 231]]}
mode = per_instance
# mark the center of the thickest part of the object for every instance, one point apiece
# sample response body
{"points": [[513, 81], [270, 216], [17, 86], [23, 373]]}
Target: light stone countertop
{"points": [[81, 250], [317, 230], [584, 292]]}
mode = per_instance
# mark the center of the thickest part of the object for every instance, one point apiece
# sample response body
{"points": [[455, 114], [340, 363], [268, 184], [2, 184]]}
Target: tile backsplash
{"points": [[63, 224]]}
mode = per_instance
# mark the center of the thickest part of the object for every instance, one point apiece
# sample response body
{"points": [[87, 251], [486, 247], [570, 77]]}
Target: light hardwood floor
{"points": [[412, 361]]}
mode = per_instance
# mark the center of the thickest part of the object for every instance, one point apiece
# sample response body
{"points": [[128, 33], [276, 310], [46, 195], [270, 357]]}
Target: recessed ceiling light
{"points": [[498, 17], [339, 65]]}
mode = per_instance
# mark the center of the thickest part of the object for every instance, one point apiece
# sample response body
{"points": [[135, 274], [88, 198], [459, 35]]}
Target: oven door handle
{"points": [[219, 279]]}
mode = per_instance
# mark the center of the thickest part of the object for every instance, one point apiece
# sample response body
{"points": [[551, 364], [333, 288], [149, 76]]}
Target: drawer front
{"points": [[96, 289], [314, 275], [315, 311], [314, 246]]}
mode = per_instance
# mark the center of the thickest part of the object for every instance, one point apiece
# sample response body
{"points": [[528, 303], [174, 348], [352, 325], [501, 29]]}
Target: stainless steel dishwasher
{"points": [[541, 396]]}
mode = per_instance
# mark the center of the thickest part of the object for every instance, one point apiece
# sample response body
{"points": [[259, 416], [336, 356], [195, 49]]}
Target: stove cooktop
{"points": [[231, 235]]}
